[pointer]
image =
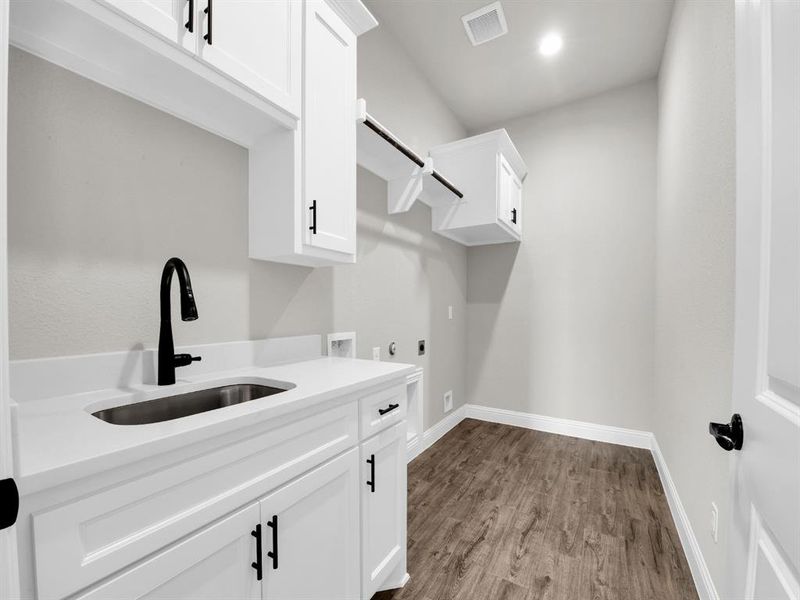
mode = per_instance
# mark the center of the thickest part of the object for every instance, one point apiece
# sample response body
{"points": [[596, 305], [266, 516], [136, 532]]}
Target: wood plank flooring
{"points": [[504, 513]]}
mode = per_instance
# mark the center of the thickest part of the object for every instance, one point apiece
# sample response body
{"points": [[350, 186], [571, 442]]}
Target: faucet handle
{"points": [[182, 360]]}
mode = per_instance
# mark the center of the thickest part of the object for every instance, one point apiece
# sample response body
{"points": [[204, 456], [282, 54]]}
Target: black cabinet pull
{"points": [[190, 23], [256, 533], [371, 482], [209, 10], [729, 436], [513, 215], [273, 554], [391, 407], [313, 209]]}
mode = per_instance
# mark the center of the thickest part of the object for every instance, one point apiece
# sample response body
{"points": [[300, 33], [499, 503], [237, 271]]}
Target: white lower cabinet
{"points": [[383, 506], [212, 564], [310, 544], [307, 509]]}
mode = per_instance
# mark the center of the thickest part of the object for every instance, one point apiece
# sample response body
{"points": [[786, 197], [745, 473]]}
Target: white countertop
{"points": [[58, 440]]}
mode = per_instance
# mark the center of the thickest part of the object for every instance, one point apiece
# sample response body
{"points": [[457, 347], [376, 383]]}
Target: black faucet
{"points": [[167, 359]]}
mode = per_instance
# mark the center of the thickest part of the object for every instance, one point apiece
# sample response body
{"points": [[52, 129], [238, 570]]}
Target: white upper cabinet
{"points": [[256, 43], [173, 19], [303, 182], [489, 172], [329, 129]]}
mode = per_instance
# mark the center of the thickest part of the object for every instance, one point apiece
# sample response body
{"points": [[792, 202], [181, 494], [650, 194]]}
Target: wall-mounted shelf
{"points": [[410, 176]]}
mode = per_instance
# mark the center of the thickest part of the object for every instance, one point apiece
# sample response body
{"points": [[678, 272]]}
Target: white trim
{"points": [[415, 380], [635, 438], [9, 565], [435, 433], [579, 429], [691, 548]]}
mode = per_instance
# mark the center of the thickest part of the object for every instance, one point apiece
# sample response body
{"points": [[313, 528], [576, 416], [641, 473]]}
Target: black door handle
{"points": [[371, 482], [256, 533], [209, 10], [514, 215], [9, 503], [273, 554], [391, 407], [729, 436]]}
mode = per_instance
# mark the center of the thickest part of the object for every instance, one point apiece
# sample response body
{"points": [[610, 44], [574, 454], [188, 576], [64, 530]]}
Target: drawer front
{"points": [[86, 540], [382, 409]]}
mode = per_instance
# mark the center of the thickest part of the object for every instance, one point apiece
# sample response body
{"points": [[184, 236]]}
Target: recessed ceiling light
{"points": [[550, 44]]}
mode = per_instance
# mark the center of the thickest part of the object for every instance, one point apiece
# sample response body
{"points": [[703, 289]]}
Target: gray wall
{"points": [[102, 189], [562, 324], [695, 264]]}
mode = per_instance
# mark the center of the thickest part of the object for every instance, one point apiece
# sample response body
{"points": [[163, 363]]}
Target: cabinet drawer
{"points": [[86, 540], [382, 409]]}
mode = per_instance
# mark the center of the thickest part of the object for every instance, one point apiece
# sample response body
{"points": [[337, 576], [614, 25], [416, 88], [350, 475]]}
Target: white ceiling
{"points": [[607, 44]]}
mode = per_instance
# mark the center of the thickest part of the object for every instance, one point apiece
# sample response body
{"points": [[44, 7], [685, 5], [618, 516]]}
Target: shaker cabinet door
{"points": [[211, 564], [329, 127], [256, 43], [310, 546]]}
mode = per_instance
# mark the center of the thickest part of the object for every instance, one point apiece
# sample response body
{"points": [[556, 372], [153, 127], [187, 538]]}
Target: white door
{"points": [[310, 549], [9, 582], [329, 127], [218, 562], [256, 43], [509, 194], [383, 505], [765, 530], [175, 20]]}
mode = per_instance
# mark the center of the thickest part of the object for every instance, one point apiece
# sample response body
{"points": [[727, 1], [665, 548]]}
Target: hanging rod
{"points": [[407, 152], [441, 179], [410, 154]]}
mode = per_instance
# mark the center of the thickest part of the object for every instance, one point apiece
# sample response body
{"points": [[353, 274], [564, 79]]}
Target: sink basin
{"points": [[183, 405]]}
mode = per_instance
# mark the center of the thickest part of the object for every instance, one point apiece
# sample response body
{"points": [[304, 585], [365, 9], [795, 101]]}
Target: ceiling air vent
{"points": [[485, 24]]}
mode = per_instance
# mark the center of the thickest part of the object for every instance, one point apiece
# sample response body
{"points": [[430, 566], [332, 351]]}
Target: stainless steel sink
{"points": [[183, 405]]}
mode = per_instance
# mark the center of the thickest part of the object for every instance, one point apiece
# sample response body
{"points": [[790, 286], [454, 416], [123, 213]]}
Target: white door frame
{"points": [[9, 585]]}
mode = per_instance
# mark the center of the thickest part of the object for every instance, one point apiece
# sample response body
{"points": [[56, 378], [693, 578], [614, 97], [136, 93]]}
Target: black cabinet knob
{"points": [[729, 436]]}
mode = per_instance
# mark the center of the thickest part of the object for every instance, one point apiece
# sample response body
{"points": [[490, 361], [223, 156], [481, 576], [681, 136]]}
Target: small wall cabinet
{"points": [[489, 171]]}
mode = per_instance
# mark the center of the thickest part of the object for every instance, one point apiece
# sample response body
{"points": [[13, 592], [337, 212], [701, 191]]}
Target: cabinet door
{"points": [[214, 563], [310, 547], [509, 195], [329, 130], [258, 44], [383, 505], [168, 18]]}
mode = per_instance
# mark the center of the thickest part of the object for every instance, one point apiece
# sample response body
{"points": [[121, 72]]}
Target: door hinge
{"points": [[9, 503]]}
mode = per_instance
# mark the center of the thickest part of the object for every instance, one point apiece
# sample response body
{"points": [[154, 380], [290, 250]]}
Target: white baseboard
{"points": [[435, 433], [599, 433], [697, 563], [579, 429]]}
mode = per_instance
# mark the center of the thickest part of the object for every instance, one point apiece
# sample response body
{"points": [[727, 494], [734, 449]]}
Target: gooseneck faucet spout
{"points": [[167, 359]]}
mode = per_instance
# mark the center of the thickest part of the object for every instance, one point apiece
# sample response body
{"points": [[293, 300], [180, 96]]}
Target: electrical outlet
{"points": [[376, 353], [421, 347], [448, 401], [714, 522], [450, 312]]}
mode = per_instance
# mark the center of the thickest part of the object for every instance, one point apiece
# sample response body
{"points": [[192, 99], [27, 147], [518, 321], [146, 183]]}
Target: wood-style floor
{"points": [[504, 513]]}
